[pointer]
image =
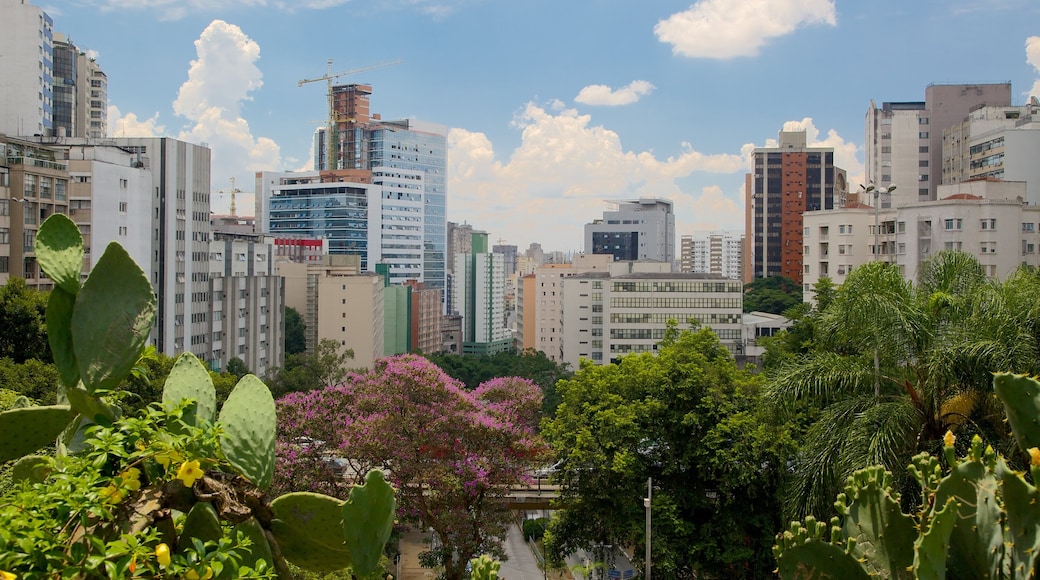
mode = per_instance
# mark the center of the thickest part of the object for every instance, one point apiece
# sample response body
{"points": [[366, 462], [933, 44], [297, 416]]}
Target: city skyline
{"points": [[552, 108]]}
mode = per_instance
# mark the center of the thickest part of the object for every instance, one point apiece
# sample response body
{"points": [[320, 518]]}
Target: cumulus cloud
{"points": [[845, 152], [130, 125], [219, 80], [729, 28], [1033, 58], [564, 168], [604, 95]]}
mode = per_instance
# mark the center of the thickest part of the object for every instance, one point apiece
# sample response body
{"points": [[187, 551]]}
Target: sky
{"points": [[554, 107]]}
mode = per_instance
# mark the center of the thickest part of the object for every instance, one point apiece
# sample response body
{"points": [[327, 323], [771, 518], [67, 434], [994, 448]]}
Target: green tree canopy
{"points": [[295, 341], [893, 364], [688, 419], [325, 367], [23, 320], [774, 294]]}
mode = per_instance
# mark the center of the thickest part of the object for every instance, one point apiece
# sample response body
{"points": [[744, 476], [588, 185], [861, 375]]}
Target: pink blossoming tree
{"points": [[451, 454]]}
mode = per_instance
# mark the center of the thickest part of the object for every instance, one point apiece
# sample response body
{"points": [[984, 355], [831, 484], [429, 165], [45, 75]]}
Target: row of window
{"points": [[674, 303], [676, 287]]}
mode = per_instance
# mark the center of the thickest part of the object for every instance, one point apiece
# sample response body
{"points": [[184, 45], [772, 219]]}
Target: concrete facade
{"points": [[995, 142], [478, 292], [26, 69], [639, 229], [718, 253]]}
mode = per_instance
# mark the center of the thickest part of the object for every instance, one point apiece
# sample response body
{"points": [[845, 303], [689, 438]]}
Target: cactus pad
{"points": [[1021, 397], [112, 318], [309, 530], [976, 543], [59, 335], [250, 427], [25, 430], [31, 468], [1022, 502], [932, 548], [59, 250], [203, 523], [819, 560], [368, 519], [884, 534], [260, 548], [189, 379]]}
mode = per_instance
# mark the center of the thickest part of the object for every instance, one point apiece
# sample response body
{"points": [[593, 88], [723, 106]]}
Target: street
{"points": [[522, 563]]}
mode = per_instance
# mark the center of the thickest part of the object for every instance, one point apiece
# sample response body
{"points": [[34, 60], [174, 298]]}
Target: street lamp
{"points": [[877, 191], [646, 504]]}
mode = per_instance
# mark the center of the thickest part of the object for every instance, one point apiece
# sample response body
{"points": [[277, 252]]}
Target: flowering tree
{"points": [[452, 454]]}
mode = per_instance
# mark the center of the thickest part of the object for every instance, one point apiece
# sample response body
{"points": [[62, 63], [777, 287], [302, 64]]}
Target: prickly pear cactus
{"points": [[484, 568], [309, 530], [368, 519], [248, 417], [189, 379], [979, 519]]}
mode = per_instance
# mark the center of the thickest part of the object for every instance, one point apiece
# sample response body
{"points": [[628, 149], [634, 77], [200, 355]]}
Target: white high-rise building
{"points": [[479, 296], [718, 253], [396, 238], [26, 69]]}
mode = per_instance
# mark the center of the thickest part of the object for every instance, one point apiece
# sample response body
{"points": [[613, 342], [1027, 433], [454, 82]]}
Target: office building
{"points": [[995, 142], [479, 288], [26, 69], [718, 253], [904, 140], [639, 229], [610, 314], [789, 180], [91, 98]]}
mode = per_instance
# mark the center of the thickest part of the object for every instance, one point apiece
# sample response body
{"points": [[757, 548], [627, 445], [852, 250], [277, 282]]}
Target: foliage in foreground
{"points": [[452, 454], [690, 420], [179, 492], [978, 518]]}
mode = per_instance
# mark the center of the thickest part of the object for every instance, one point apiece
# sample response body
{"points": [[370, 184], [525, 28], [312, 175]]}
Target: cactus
{"points": [[484, 568], [260, 550], [31, 468], [203, 523], [59, 251], [979, 520], [248, 417], [309, 530], [368, 519], [59, 335], [25, 430], [189, 379]]}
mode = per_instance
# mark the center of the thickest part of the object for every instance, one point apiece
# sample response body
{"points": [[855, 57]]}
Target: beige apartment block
{"points": [[351, 313]]}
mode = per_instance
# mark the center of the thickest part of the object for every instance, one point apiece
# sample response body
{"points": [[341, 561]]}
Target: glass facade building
{"points": [[64, 86], [337, 211]]}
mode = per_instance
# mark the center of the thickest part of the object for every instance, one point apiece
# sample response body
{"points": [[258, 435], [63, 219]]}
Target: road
{"points": [[522, 563]]}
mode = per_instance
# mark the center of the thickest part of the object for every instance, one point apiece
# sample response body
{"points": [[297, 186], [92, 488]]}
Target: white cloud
{"points": [[730, 28], [219, 80], [604, 95], [845, 152], [1033, 58], [130, 125], [564, 168]]}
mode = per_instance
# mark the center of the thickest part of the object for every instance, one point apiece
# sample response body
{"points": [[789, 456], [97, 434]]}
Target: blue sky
{"points": [[553, 106]]}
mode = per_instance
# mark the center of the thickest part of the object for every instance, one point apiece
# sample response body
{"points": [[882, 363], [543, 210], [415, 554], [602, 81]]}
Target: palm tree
{"points": [[896, 364]]}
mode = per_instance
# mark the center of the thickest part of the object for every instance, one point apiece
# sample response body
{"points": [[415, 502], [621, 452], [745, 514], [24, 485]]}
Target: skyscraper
{"points": [[788, 180], [26, 69], [479, 288]]}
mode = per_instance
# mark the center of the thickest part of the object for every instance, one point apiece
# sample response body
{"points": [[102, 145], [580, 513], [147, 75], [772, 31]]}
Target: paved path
{"points": [[522, 563]]}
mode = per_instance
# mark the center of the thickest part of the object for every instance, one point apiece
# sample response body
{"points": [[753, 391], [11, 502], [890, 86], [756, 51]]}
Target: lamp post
{"points": [[877, 191], [646, 504]]}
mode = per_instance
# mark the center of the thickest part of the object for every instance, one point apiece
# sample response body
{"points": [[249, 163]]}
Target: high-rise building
{"points": [[64, 85], [904, 140], [26, 69], [37, 181], [788, 181], [995, 143], [91, 99], [718, 253], [479, 288], [639, 229], [511, 254]]}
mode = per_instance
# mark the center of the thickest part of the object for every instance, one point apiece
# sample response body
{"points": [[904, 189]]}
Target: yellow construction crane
{"points": [[333, 135]]}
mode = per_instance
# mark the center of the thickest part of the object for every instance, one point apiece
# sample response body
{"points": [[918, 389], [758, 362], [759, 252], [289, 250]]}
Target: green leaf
{"points": [[23, 431], [59, 250], [203, 523], [113, 316], [249, 422], [1022, 503], [189, 379], [59, 335], [368, 519]]}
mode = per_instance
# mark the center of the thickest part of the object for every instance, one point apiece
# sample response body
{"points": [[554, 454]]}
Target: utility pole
{"points": [[646, 504]]}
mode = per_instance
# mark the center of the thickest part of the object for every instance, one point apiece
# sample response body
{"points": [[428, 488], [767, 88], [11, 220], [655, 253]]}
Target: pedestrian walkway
{"points": [[412, 543]]}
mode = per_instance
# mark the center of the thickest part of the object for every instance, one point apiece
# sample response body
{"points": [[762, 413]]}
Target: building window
{"points": [[954, 224], [1028, 227], [988, 223], [923, 134]]}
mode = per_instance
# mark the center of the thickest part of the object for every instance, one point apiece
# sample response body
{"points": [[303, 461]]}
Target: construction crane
{"points": [[333, 133]]}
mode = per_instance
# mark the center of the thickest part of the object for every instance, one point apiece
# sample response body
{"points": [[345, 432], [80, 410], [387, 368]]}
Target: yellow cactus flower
{"points": [[7, 576], [949, 439], [166, 458], [1034, 456], [189, 471], [112, 494], [193, 575], [162, 553]]}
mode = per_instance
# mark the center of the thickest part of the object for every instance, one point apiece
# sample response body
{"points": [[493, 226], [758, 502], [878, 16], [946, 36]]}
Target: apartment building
{"points": [[718, 253], [632, 230], [479, 290], [26, 69]]}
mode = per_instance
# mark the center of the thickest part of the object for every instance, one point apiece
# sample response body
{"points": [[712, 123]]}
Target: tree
{"points": [[452, 454], [237, 367], [894, 365], [774, 294], [23, 320], [295, 342], [688, 419], [529, 364], [326, 366], [37, 380]]}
